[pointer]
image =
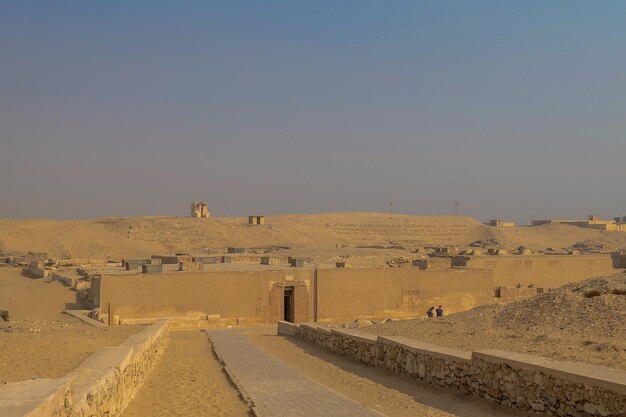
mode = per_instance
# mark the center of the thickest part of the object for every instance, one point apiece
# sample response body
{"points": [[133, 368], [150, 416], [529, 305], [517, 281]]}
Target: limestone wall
{"points": [[256, 294], [343, 294], [543, 271], [514, 380], [231, 294], [103, 385]]}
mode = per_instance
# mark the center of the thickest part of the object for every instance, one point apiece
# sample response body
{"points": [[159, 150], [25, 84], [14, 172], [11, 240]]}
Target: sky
{"points": [[511, 109]]}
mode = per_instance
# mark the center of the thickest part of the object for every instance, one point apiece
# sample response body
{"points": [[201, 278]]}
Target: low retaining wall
{"points": [[103, 385], [515, 380]]}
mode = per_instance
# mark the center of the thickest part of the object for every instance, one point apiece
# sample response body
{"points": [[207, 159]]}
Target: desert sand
{"points": [[188, 381], [362, 239], [41, 341], [582, 322]]}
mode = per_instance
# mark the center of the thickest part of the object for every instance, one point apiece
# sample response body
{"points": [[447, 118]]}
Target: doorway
{"points": [[288, 304]]}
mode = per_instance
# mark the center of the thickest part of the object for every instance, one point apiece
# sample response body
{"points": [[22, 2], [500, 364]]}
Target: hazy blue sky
{"points": [[138, 108]]}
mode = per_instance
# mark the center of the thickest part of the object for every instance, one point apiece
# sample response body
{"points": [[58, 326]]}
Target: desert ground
{"points": [[582, 322], [40, 341], [362, 239]]}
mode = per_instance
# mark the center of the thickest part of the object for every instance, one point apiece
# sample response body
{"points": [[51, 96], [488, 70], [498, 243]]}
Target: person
{"points": [[439, 312], [429, 312]]}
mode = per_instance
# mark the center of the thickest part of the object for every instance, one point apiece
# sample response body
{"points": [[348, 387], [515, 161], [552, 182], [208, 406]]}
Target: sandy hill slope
{"points": [[123, 237], [328, 233], [584, 322], [558, 236]]}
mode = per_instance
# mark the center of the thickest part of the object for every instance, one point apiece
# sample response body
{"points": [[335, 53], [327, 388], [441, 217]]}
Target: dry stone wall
{"points": [[514, 380], [103, 385]]}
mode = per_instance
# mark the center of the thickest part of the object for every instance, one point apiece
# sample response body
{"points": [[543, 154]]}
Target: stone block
{"points": [[150, 269], [205, 259], [268, 260]]}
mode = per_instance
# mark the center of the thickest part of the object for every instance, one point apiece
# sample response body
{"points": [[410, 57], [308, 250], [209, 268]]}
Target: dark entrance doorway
{"points": [[288, 304]]}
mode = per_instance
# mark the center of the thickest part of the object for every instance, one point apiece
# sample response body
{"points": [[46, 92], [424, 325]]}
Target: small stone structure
{"points": [[269, 260], [150, 269], [38, 269], [132, 264], [191, 266], [510, 294], [299, 261], [592, 222], [205, 259], [167, 259], [20, 259], [438, 263], [500, 223], [512, 379], [200, 209], [256, 220]]}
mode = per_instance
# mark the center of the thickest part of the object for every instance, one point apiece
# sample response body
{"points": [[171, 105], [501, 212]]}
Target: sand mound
{"points": [[585, 322], [358, 237], [124, 237]]}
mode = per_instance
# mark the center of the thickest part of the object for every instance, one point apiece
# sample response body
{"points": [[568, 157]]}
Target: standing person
{"points": [[429, 312], [439, 311]]}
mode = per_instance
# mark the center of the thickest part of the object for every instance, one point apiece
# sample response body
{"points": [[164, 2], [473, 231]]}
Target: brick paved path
{"points": [[273, 388]]}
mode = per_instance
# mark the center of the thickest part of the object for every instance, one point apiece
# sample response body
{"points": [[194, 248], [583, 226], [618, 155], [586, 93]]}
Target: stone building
{"points": [[500, 223], [256, 220], [200, 209]]}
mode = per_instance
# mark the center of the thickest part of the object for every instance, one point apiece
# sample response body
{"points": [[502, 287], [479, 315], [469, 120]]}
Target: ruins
{"points": [[260, 288], [592, 222], [326, 297], [256, 220], [501, 223], [200, 209]]}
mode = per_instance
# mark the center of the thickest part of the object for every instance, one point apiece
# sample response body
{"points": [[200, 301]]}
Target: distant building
{"points": [[256, 220], [200, 209], [592, 222], [501, 223]]}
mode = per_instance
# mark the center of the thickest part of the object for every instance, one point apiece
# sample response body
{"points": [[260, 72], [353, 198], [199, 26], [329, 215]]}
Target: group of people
{"points": [[438, 311]]}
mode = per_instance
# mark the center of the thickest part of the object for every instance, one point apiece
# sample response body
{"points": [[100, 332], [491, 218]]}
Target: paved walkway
{"points": [[273, 388]]}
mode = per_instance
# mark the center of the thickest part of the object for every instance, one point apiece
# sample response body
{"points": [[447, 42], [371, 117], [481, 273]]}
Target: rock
{"points": [[537, 406], [4, 314], [421, 370], [363, 323]]}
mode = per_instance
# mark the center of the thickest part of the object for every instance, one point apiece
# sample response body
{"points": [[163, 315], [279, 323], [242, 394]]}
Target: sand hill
{"points": [[584, 322], [325, 235]]}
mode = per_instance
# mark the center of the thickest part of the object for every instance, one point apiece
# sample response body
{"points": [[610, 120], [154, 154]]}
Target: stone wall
{"points": [[38, 269], [103, 385], [514, 380]]}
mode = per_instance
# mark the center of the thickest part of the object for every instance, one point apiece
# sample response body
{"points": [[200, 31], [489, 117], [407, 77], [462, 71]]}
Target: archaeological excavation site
{"points": [[236, 315], [312, 208]]}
